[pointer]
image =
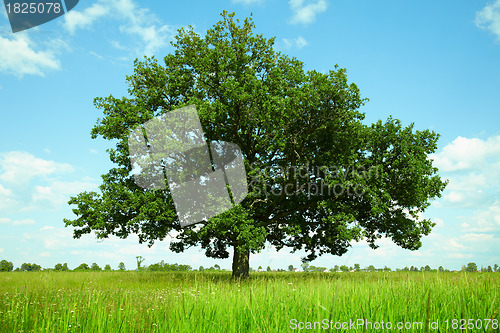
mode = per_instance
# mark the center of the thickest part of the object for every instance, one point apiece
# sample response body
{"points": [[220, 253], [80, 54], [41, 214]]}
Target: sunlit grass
{"points": [[213, 302]]}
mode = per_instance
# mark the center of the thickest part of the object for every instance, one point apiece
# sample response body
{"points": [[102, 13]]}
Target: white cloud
{"points": [[141, 23], [75, 20], [100, 255], [153, 37], [136, 22], [4, 191], [23, 222], [472, 181], [474, 237], [18, 167], [33, 183], [473, 169], [464, 153], [57, 193], [55, 238], [1, 250], [6, 197], [488, 18], [4, 220], [305, 13], [47, 227], [98, 56], [464, 245], [439, 223], [298, 42], [458, 255], [117, 45], [301, 42], [477, 243], [21, 56], [57, 242], [485, 220], [453, 245], [454, 197]]}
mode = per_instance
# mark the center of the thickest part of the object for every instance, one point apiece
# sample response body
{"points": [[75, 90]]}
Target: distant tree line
{"points": [[213, 268], [7, 266], [164, 267], [306, 267]]}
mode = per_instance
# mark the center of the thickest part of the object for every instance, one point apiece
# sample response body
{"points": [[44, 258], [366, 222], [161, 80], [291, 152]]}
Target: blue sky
{"points": [[434, 63]]}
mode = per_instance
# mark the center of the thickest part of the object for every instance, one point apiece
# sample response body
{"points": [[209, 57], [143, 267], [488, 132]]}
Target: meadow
{"points": [[266, 302]]}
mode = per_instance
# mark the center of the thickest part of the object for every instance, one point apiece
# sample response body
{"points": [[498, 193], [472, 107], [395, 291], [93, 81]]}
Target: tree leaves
{"points": [[318, 177]]}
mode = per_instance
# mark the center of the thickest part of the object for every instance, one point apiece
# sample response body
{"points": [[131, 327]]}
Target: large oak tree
{"points": [[319, 178]]}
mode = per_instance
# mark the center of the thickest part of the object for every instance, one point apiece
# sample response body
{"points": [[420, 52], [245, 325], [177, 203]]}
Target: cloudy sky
{"points": [[434, 63]]}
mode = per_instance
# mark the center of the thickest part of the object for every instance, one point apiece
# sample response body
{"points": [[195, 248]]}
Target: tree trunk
{"points": [[241, 262]]}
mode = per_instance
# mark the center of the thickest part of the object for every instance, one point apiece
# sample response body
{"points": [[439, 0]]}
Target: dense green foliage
{"points": [[6, 266], [61, 267], [82, 267], [213, 302], [319, 178], [27, 267], [162, 266], [165, 267], [471, 267]]}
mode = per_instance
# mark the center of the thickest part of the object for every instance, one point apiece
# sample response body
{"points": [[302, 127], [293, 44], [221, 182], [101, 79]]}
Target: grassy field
{"points": [[267, 302]]}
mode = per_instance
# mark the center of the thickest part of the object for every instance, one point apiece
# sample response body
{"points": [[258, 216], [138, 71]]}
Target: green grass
{"points": [[267, 302]]}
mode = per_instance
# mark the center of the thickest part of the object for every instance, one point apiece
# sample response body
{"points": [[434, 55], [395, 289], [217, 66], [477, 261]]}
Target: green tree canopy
{"points": [[6, 266], [82, 267], [139, 260], [299, 131], [471, 267], [164, 267], [344, 268], [95, 267], [27, 267]]}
